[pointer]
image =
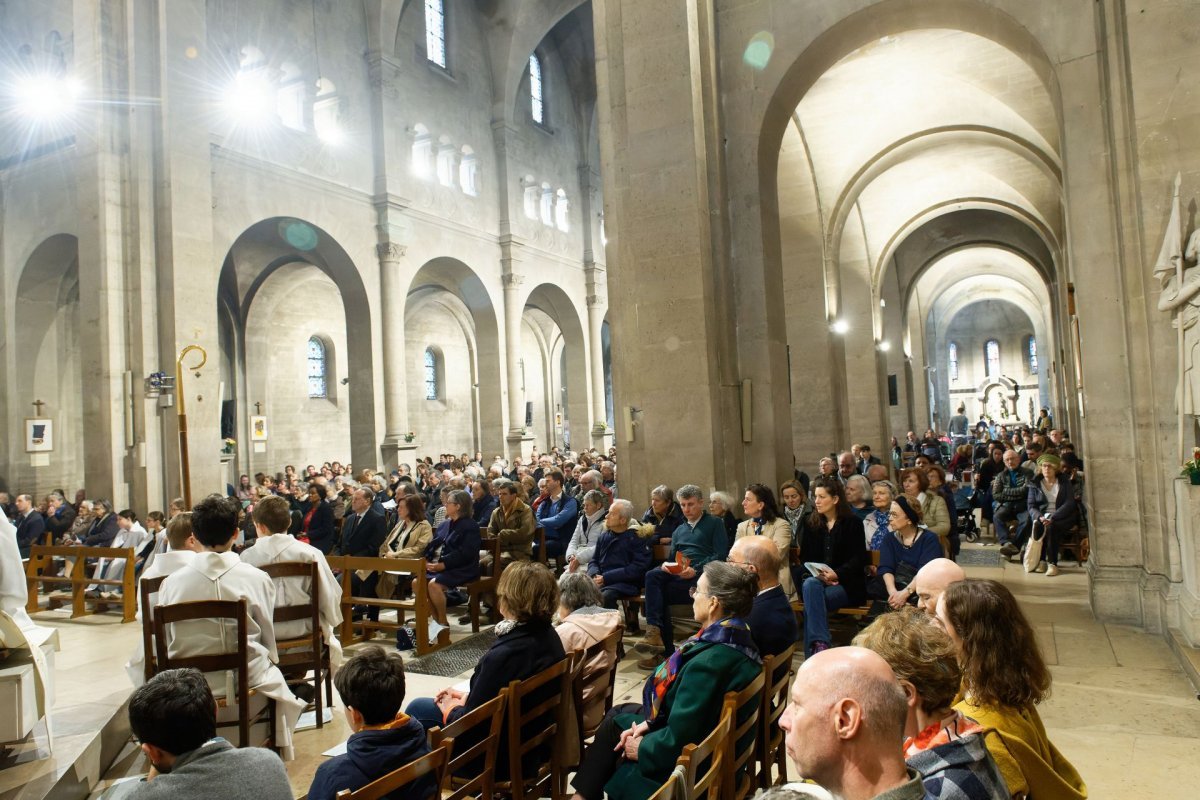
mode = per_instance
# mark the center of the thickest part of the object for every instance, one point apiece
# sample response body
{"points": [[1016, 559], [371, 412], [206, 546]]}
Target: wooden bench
{"points": [[76, 580], [486, 582], [418, 604]]}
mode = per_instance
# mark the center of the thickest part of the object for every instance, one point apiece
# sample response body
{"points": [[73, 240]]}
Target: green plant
{"points": [[1192, 467]]}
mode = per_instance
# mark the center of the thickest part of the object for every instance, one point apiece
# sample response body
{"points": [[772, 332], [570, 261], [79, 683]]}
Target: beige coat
{"points": [[410, 542], [579, 631], [780, 532], [936, 517]]}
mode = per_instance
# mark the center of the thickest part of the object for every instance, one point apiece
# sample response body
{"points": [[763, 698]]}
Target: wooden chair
{"points": [[581, 683], [712, 751], [777, 670], [673, 789], [486, 583], [848, 611], [661, 553], [433, 762], [743, 709], [539, 545], [146, 588], [471, 772], [418, 604], [548, 718], [308, 652], [236, 661]]}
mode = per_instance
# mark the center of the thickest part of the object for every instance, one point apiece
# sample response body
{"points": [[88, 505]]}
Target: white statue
{"points": [[1181, 296]]}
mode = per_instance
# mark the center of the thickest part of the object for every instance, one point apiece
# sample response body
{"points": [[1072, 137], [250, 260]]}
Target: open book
{"points": [[815, 567]]}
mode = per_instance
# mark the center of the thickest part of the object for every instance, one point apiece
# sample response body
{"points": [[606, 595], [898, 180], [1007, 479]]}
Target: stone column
{"points": [[396, 447], [520, 443], [601, 436], [669, 298]]}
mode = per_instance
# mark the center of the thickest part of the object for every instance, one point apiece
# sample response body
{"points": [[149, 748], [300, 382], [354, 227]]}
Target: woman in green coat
{"points": [[636, 747]]}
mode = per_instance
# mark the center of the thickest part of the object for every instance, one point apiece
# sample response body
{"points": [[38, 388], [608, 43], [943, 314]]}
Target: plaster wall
{"points": [[446, 424]]}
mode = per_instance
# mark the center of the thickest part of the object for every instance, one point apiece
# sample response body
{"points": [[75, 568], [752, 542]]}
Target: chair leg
{"points": [[473, 610], [317, 694]]}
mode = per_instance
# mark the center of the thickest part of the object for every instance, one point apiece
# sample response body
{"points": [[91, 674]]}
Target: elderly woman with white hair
{"points": [[720, 505], [858, 495], [583, 622], [587, 530]]}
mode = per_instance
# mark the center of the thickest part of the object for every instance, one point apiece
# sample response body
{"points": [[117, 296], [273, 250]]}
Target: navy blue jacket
{"points": [[559, 518], [369, 756], [362, 536], [101, 532], [773, 622], [321, 533], [456, 544], [623, 560], [30, 531], [663, 528], [484, 509]]}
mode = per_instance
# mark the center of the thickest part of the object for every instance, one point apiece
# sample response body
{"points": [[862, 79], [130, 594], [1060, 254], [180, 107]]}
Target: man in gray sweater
{"points": [[174, 717]]}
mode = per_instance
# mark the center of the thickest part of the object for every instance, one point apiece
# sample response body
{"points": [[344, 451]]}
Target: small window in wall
{"points": [[447, 167], [531, 196], [953, 361], [991, 352], [1031, 349], [431, 374], [468, 172], [291, 100], [537, 106], [318, 385], [327, 113], [422, 152], [547, 205], [603, 232], [435, 32], [562, 207]]}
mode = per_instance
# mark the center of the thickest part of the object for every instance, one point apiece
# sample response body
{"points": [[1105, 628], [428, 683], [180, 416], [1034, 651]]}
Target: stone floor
{"points": [[1122, 710]]}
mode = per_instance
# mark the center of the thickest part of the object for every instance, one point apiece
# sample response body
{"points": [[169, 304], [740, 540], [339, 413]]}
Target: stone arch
{"points": [[47, 364], [276, 243], [554, 302], [459, 280]]}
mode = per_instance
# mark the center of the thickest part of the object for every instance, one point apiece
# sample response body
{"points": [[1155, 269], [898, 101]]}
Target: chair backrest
{"points": [[662, 552], [236, 660], [673, 789], [491, 544], [777, 671], [147, 587], [710, 751], [311, 610], [533, 725], [581, 682], [539, 541], [743, 709], [473, 766], [433, 762]]}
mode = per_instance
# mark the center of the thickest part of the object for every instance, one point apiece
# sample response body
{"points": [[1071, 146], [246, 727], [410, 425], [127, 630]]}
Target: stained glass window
{"points": [[431, 375], [317, 384], [435, 32], [991, 352], [536, 104], [953, 361], [1032, 356]]}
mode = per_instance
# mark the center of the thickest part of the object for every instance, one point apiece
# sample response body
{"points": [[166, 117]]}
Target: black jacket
{"points": [[522, 653], [321, 534], [369, 756], [102, 532], [849, 547], [61, 523], [362, 536], [30, 531]]}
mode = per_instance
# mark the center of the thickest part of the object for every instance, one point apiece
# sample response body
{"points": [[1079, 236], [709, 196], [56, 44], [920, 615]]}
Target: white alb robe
{"points": [[14, 592], [280, 548], [114, 569], [167, 563], [223, 576]]}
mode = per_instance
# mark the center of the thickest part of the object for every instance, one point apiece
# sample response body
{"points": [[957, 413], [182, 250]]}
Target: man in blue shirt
{"points": [[702, 539], [558, 514]]}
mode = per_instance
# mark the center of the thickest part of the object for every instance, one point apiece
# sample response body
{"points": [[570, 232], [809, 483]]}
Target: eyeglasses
{"points": [[695, 590]]}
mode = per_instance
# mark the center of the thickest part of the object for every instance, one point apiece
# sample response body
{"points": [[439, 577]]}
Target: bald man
{"points": [[877, 472], [844, 726], [772, 622], [931, 581]]}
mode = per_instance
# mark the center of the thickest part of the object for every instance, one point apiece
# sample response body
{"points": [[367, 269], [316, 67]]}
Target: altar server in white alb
{"points": [[216, 573], [275, 545], [130, 534], [182, 548]]}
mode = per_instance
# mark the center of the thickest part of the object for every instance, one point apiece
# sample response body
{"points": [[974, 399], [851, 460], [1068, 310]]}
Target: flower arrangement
{"points": [[230, 445], [408, 437], [1191, 469]]}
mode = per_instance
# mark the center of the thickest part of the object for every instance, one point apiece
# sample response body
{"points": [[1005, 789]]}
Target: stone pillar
{"points": [[397, 446], [601, 435], [520, 443], [669, 297]]}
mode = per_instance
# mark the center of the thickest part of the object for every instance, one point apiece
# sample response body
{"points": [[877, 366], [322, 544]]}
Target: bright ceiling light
{"points": [[46, 97], [249, 99], [885, 345], [840, 326], [331, 134]]}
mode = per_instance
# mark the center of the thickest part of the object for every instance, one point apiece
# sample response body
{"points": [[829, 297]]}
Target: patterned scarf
{"points": [[758, 525], [881, 529], [730, 631]]}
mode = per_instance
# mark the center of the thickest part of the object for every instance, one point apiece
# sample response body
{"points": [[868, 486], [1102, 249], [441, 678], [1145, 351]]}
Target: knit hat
{"points": [[1051, 459]]}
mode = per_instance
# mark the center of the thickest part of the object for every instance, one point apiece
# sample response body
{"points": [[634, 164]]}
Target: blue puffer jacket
{"points": [[369, 756], [623, 559]]}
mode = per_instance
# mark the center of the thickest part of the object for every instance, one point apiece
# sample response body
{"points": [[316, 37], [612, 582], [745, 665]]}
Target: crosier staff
{"points": [[183, 440]]}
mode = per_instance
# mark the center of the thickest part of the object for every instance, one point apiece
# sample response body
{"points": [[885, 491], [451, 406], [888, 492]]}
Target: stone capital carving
{"points": [[390, 251], [512, 280], [594, 300]]}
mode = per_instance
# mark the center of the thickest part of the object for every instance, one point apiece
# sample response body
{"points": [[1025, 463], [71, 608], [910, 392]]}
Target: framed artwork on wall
{"points": [[39, 435], [258, 429]]}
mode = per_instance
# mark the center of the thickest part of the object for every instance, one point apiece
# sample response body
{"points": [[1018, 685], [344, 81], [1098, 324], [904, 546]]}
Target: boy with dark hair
{"points": [[371, 685], [174, 717], [216, 573]]}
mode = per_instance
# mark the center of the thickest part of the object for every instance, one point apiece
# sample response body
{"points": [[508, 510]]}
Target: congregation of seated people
{"points": [[927, 708]]}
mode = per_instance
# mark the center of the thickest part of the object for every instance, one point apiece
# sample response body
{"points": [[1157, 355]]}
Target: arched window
{"points": [[431, 374], [562, 208], [953, 361], [327, 113], [546, 209], [468, 172], [318, 386], [447, 162], [1031, 349], [422, 152], [537, 106], [435, 32], [991, 352], [290, 98]]}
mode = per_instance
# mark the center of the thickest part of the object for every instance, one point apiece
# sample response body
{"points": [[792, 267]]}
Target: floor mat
{"points": [[454, 659], [978, 557]]}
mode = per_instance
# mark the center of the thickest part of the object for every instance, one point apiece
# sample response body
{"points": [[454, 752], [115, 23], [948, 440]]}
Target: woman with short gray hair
{"points": [[452, 558], [587, 531], [663, 513], [720, 505]]}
